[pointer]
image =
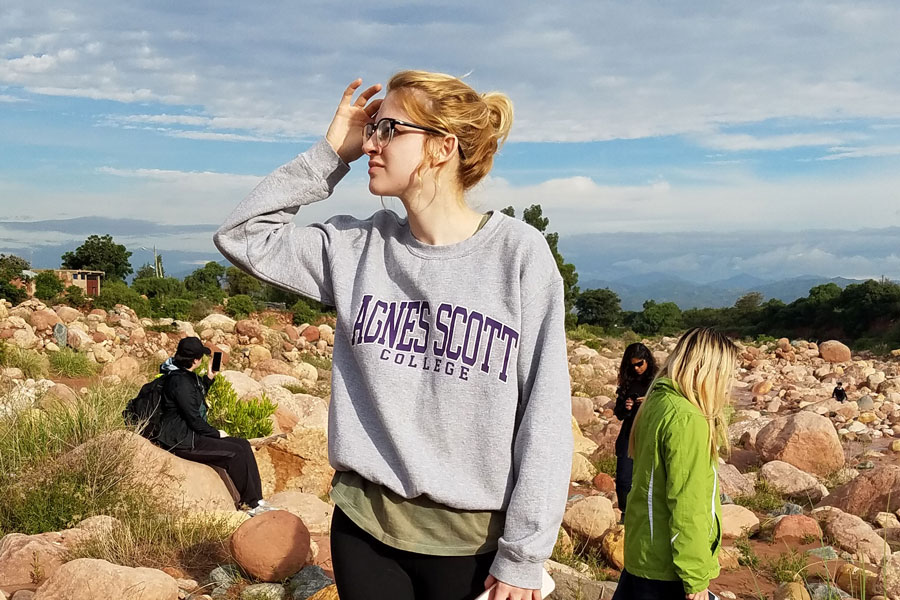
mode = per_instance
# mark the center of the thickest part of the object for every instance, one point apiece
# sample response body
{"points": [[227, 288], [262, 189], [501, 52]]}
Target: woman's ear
{"points": [[441, 152]]}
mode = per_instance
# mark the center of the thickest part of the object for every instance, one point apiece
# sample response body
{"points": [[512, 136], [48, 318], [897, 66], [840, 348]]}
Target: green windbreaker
{"points": [[673, 516]]}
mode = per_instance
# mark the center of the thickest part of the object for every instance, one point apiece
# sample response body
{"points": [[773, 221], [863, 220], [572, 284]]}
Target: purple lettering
{"points": [[392, 323], [403, 343], [412, 361], [385, 354], [399, 358], [473, 318], [356, 336], [437, 365], [453, 353], [464, 373], [448, 368], [442, 327], [371, 338], [512, 336], [425, 327], [495, 327]]}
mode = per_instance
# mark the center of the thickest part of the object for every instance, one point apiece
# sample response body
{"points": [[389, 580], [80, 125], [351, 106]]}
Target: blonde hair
{"points": [[480, 122], [702, 366]]}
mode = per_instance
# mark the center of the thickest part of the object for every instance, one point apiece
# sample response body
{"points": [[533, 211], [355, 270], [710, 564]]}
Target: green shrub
{"points": [[200, 309], [117, 292], [319, 362], [172, 308], [766, 498], [69, 363], [32, 364], [306, 311], [74, 297], [748, 556], [585, 332], [239, 418], [240, 306], [605, 464], [787, 566], [47, 285], [12, 293]]}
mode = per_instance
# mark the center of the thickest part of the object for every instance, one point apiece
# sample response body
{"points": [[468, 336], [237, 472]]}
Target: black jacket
{"points": [[636, 389], [183, 410]]}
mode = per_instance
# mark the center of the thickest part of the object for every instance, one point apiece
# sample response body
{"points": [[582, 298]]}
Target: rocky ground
{"points": [[811, 489]]}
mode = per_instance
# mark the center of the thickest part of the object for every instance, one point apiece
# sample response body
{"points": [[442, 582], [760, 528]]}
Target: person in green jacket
{"points": [[673, 515]]}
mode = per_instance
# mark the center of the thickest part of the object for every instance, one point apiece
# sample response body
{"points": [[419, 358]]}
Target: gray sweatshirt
{"points": [[450, 376]]}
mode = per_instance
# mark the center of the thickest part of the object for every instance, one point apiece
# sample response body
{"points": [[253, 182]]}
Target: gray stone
{"points": [[823, 591], [263, 591], [60, 334], [866, 403], [789, 508], [572, 585], [224, 575], [307, 582], [824, 552]]}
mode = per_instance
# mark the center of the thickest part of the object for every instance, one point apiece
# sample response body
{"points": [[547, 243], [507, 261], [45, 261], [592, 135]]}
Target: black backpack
{"points": [[143, 412]]}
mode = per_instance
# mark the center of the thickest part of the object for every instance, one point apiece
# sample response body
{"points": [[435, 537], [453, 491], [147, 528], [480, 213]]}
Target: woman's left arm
{"points": [[542, 450]]}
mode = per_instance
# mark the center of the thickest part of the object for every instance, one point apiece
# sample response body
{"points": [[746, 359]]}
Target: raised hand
{"points": [[345, 132]]}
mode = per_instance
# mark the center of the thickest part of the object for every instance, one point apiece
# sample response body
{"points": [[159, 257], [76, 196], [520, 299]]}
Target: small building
{"points": [[89, 281]]}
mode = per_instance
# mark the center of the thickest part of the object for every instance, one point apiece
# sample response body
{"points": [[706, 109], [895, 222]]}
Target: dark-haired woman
{"points": [[635, 375]]}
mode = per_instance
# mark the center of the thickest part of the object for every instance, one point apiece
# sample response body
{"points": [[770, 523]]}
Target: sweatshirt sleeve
{"points": [[261, 238], [619, 409], [542, 451], [690, 499]]}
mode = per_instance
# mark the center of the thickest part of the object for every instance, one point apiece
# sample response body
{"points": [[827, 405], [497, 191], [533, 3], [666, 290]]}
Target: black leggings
{"points": [[632, 587], [624, 467], [366, 569], [232, 454]]}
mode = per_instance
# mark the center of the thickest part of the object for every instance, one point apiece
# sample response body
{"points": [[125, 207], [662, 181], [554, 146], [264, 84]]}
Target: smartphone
{"points": [[216, 364], [712, 596]]}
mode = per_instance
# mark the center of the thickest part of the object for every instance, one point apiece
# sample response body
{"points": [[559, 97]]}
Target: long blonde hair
{"points": [[480, 122], [702, 366]]}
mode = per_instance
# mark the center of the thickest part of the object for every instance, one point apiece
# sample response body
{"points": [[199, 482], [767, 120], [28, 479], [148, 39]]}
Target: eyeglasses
{"points": [[384, 132], [639, 364]]}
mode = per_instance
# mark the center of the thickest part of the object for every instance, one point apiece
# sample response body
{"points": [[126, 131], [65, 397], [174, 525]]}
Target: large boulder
{"points": [[271, 546], [733, 481], [296, 462], [125, 368], [217, 321], [314, 513], [737, 520], [244, 385], [791, 481], [834, 351], [796, 529], [271, 366], [804, 439], [612, 546], [67, 314], [850, 533], [183, 484], [43, 320], [249, 327], [590, 518], [868, 494], [90, 578]]}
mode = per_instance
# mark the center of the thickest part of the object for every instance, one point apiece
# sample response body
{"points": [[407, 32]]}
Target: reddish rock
{"points": [[43, 320], [869, 493], [249, 327], [604, 483], [834, 351], [292, 333], [90, 578], [98, 337], [311, 334], [271, 546], [99, 312], [794, 529], [126, 368], [806, 440], [271, 366]]}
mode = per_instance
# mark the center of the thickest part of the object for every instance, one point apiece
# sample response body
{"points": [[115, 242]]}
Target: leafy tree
{"points": [[748, 303], [599, 307], [239, 282], [100, 253], [240, 306], [534, 216], [47, 285], [159, 287], [205, 282], [117, 292], [307, 311], [75, 297], [11, 266], [147, 271], [658, 319], [12, 293]]}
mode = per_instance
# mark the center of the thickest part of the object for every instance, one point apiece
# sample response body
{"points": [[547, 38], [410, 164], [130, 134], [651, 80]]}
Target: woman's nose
{"points": [[369, 147]]}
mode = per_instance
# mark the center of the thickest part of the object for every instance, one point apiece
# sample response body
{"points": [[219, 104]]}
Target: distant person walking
{"points": [[636, 372], [450, 418], [839, 393], [185, 432], [673, 522]]}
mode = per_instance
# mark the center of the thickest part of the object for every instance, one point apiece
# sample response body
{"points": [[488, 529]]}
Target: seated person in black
{"points": [[636, 373], [184, 431], [839, 394]]}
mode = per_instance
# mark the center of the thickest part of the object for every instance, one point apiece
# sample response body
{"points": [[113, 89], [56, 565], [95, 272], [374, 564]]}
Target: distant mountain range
{"points": [[634, 290]]}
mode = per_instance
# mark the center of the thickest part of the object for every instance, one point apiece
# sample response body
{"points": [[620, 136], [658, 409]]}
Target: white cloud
{"points": [[841, 152], [579, 71], [6, 98], [738, 142]]}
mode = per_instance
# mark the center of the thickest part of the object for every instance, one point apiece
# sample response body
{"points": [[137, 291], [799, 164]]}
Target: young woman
{"points": [[637, 370], [673, 521], [449, 422], [184, 431]]}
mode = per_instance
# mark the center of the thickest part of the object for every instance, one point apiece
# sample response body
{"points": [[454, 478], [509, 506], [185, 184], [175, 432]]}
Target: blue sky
{"points": [[638, 117]]}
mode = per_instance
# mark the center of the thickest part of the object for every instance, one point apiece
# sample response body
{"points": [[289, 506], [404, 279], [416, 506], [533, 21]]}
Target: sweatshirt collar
{"points": [[457, 250]]}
